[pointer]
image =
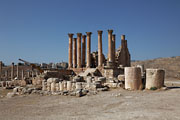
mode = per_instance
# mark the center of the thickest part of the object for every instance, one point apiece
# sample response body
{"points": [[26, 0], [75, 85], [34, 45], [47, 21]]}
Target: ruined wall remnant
{"points": [[122, 55]]}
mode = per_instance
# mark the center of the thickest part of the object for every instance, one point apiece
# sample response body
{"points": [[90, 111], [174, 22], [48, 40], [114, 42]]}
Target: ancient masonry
{"points": [[87, 71], [81, 58]]}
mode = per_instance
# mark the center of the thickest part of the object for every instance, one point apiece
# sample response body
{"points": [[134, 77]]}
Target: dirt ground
{"points": [[115, 104]]}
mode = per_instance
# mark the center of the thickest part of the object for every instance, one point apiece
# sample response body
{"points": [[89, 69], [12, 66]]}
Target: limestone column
{"points": [[83, 50], [28, 74], [22, 75], [100, 57], [6, 75], [70, 49], [114, 47], [12, 71], [79, 50], [1, 70], [17, 71], [88, 57], [133, 80], [110, 56], [154, 78], [74, 52]]}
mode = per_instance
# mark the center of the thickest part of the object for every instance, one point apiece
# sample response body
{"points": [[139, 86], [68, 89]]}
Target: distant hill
{"points": [[171, 65]]}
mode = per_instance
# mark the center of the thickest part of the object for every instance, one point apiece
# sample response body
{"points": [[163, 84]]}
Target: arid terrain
{"points": [[115, 104]]}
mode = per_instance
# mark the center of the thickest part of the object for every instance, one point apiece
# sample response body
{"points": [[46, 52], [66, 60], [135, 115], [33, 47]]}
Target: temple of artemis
{"points": [[81, 58]]}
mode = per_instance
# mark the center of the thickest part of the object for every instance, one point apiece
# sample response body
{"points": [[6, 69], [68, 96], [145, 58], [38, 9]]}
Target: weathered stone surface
{"points": [[121, 77], [10, 95], [154, 78], [133, 79], [78, 85], [69, 85]]}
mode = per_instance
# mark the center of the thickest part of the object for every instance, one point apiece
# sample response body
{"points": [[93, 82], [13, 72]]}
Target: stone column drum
{"points": [[88, 57], [53, 88], [61, 86], [74, 52], [83, 50], [100, 54], [154, 78], [110, 56], [114, 47], [70, 49], [133, 79], [78, 85], [79, 50], [69, 85]]}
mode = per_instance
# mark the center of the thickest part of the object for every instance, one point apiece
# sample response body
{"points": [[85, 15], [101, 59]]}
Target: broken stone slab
{"points": [[121, 77], [50, 80], [10, 95], [102, 79]]}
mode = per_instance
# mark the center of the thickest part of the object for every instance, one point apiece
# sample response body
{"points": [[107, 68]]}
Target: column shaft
{"points": [[12, 71], [17, 71], [83, 50], [74, 52], [88, 57], [110, 46], [100, 57], [114, 47], [70, 49], [79, 50]]}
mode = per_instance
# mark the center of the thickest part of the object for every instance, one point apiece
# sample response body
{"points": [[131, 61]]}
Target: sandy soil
{"points": [[112, 105]]}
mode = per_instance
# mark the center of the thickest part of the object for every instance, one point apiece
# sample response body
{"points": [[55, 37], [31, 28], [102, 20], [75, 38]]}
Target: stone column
{"points": [[114, 47], [17, 71], [88, 57], [12, 71], [154, 78], [70, 49], [28, 74], [83, 50], [100, 57], [22, 76], [133, 80], [74, 52], [6, 75], [110, 56], [1, 64], [79, 50]]}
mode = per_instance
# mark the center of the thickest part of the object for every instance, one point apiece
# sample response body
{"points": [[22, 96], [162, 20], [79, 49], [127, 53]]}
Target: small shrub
{"points": [[153, 88]]}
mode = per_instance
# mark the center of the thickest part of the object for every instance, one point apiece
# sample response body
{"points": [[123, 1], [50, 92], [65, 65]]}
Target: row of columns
{"points": [[79, 59], [12, 73]]}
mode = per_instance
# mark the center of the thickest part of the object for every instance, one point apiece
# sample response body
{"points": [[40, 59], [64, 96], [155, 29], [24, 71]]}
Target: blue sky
{"points": [[36, 30]]}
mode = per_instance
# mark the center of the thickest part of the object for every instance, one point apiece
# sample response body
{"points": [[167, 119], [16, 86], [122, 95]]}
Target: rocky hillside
{"points": [[171, 65]]}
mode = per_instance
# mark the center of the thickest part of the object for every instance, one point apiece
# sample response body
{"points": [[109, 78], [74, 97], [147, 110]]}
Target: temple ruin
{"points": [[81, 58]]}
